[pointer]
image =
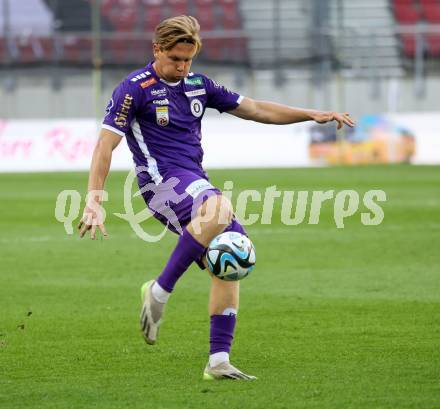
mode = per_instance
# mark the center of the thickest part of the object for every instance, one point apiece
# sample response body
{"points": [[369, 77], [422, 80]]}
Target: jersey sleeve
{"points": [[121, 109], [220, 98]]}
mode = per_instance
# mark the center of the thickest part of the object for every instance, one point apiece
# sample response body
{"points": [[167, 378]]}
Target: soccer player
{"points": [[158, 110]]}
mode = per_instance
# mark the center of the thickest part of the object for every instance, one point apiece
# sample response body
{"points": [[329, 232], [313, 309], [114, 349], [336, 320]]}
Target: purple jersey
{"points": [[162, 121]]}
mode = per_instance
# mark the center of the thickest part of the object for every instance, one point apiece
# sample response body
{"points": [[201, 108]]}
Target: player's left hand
{"points": [[323, 117]]}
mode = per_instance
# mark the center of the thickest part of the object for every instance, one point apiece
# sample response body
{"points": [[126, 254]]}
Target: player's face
{"points": [[174, 64]]}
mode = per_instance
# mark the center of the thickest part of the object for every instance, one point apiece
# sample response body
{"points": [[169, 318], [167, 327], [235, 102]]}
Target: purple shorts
{"points": [[175, 201]]}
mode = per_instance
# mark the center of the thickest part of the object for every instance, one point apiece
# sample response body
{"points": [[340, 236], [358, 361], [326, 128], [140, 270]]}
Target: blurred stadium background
{"points": [[380, 49], [378, 60], [331, 318]]}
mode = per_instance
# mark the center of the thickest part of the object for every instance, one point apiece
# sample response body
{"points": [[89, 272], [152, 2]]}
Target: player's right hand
{"points": [[93, 216]]}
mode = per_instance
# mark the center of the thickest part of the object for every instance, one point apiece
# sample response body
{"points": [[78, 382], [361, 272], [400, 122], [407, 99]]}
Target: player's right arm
{"points": [[121, 110], [102, 156]]}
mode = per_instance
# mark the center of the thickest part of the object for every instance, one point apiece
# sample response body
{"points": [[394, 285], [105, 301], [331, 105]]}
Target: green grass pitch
{"points": [[330, 318]]}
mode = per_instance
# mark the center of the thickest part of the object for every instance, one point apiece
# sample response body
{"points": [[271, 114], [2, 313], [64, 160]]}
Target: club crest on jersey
{"points": [[196, 108], [162, 117]]}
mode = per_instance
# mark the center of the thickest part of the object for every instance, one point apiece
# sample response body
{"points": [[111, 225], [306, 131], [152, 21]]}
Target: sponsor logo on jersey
{"points": [[196, 108], [122, 115], [161, 92], [162, 117], [148, 83], [141, 76], [109, 107], [196, 92], [161, 101], [194, 81]]}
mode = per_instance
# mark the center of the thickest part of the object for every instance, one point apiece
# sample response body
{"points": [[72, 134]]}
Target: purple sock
{"points": [[188, 249], [222, 333]]}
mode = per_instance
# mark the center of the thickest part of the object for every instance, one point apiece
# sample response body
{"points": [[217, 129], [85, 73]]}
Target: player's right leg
{"points": [[151, 313], [211, 218]]}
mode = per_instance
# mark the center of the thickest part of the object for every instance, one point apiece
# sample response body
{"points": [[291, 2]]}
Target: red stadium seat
{"points": [[406, 13], [153, 11], [178, 7], [118, 50], [124, 20], [107, 6], [2, 50], [229, 16], [433, 43], [31, 49], [204, 3], [131, 4], [229, 19], [48, 48], [204, 12], [211, 49], [409, 45], [77, 49], [431, 12], [429, 3], [25, 50]]}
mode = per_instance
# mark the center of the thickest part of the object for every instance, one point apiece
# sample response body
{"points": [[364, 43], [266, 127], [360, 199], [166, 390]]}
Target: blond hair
{"points": [[180, 29]]}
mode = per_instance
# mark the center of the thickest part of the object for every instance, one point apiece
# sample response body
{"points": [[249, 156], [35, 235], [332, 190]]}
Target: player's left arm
{"points": [[272, 113]]}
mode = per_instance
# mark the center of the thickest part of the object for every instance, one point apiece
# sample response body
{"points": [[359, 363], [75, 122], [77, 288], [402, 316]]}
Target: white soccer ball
{"points": [[231, 256]]}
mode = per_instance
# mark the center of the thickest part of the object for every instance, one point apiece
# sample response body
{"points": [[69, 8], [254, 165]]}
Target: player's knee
{"points": [[217, 210], [224, 213]]}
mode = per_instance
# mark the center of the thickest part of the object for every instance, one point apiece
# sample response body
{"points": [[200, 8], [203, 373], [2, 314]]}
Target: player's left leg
{"points": [[223, 309]]}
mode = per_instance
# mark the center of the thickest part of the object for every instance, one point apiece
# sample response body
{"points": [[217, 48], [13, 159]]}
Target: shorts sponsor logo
{"points": [[148, 83], [196, 92], [109, 107], [194, 81], [141, 76], [197, 187], [161, 101], [196, 108], [162, 117], [161, 92], [122, 115]]}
